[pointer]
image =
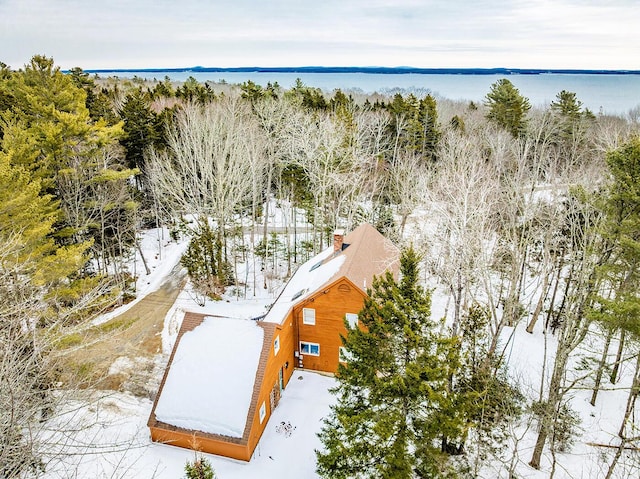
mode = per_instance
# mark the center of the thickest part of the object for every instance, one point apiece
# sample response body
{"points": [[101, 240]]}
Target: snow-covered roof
{"points": [[306, 280], [366, 254], [201, 391]]}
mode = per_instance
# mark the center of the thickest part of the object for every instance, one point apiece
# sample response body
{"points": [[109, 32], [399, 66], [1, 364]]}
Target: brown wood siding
{"points": [[269, 376], [331, 305], [288, 346], [199, 442]]}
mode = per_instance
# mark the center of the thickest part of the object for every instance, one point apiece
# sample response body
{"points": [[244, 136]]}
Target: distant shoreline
{"points": [[372, 70]]}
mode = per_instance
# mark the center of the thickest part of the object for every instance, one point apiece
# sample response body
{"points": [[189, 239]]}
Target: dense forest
{"points": [[525, 215]]}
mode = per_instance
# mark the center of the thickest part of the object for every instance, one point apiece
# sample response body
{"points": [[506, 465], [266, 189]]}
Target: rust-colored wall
{"points": [[331, 305], [268, 376], [287, 347], [200, 443]]}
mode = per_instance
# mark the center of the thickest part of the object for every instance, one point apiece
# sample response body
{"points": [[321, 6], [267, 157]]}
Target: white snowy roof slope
{"points": [[306, 280], [366, 254], [203, 390]]}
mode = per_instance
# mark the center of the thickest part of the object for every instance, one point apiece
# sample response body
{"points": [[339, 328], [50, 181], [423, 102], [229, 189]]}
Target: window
{"points": [[317, 265], [308, 316], [276, 345], [299, 294], [343, 355], [312, 349], [263, 412], [352, 319]]}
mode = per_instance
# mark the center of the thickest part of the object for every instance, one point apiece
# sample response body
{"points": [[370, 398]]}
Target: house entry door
{"points": [[275, 396]]}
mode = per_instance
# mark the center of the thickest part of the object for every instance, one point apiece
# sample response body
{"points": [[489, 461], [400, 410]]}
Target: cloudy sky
{"points": [[421, 33]]}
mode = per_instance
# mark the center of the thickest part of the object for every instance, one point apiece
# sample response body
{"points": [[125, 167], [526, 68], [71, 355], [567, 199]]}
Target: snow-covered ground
{"points": [[115, 439], [161, 255]]}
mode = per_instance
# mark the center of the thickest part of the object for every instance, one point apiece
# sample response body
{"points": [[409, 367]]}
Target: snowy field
{"points": [[115, 442], [118, 423]]}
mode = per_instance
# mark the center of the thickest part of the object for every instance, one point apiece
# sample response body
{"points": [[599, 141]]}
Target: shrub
{"points": [[200, 468]]}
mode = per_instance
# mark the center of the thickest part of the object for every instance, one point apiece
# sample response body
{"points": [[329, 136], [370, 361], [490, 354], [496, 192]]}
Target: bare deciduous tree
{"points": [[463, 197], [213, 152], [584, 256]]}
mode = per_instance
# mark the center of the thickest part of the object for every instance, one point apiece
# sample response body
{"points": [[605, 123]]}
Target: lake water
{"points": [[611, 93]]}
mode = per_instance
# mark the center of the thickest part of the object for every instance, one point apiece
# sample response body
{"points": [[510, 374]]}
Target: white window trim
{"points": [[310, 344], [263, 412], [276, 345], [352, 319], [311, 321]]}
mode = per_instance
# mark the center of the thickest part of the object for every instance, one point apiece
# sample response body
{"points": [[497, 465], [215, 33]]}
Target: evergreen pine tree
{"points": [[507, 107], [567, 105], [6, 96], [622, 232], [430, 128], [140, 128], [396, 415], [572, 125], [35, 275], [203, 260], [194, 91], [619, 305]]}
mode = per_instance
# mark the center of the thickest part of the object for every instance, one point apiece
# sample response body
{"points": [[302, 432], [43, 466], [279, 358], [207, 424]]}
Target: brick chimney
{"points": [[338, 239]]}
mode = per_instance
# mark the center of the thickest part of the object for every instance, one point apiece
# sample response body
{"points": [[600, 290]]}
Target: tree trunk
{"points": [[601, 365], [631, 401], [265, 238], [158, 225], [287, 253], [144, 261], [555, 292], [616, 365], [522, 273], [295, 230], [457, 302], [556, 321], [403, 222], [540, 304], [495, 339], [544, 364], [549, 409]]}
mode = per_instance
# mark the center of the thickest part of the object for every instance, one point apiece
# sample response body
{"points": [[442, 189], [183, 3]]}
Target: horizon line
{"points": [[369, 69]]}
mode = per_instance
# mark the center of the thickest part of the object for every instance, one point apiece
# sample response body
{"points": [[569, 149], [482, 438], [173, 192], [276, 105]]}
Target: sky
{"points": [[103, 34]]}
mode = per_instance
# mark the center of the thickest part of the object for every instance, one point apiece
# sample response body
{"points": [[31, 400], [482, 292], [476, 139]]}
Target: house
{"points": [[225, 376]]}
